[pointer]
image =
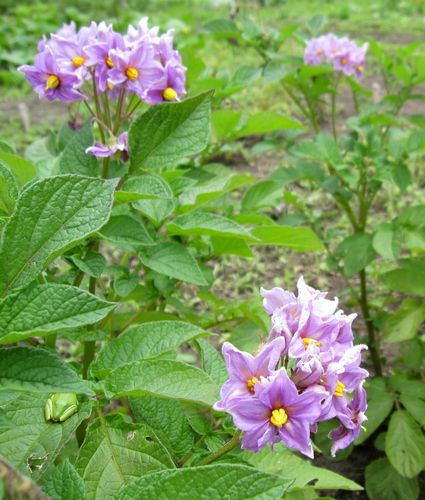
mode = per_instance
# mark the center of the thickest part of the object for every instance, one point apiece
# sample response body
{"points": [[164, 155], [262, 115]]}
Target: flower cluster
{"points": [[97, 63], [344, 54], [308, 372]]}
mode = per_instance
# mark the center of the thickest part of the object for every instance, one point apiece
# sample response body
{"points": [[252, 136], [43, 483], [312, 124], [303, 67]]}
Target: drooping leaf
{"points": [[51, 215], [173, 260], [147, 340], [405, 444], [92, 264], [33, 369], [383, 482], [47, 308], [237, 482], [29, 442], [64, 483], [163, 378], [116, 453], [300, 239], [168, 419], [24, 170], [411, 281], [168, 132]]}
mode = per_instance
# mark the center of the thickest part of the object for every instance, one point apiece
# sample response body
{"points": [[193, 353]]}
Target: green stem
{"points": [[51, 341], [233, 443], [98, 109], [372, 340]]}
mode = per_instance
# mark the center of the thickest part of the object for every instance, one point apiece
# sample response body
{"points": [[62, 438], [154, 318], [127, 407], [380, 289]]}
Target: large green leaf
{"points": [[8, 189], [168, 132], [301, 471], [169, 421], [405, 444], [404, 323], [416, 408], [143, 341], [164, 378], [74, 159], [64, 483], [173, 260], [383, 482], [34, 369], [301, 239], [29, 442], [205, 223], [47, 308], [50, 216], [237, 482], [116, 453]]}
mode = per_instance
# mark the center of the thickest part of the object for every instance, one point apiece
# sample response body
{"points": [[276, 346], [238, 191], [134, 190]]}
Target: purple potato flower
{"points": [[170, 87], [118, 144], [50, 81], [351, 421], [142, 31], [245, 371], [135, 69], [278, 413]]}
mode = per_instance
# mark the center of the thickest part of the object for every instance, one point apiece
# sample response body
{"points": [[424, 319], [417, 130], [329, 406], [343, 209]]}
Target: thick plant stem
{"points": [[372, 342], [223, 450]]}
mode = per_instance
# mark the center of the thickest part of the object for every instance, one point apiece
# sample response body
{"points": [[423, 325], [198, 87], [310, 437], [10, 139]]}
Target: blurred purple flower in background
{"points": [[344, 54]]}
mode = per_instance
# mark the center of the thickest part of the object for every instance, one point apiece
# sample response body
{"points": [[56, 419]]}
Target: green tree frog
{"points": [[61, 406]]}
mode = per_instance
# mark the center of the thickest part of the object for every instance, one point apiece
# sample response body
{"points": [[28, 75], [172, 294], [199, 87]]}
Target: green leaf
{"points": [[387, 241], [24, 170], [300, 239], [267, 121], [205, 223], [126, 232], [64, 483], [8, 188], [411, 281], [42, 153], [408, 386], [168, 419], [93, 264], [405, 444], [380, 404], [47, 308], [224, 122], [161, 202], [168, 132], [404, 323], [415, 406], [173, 260], [283, 461], [164, 378], [237, 482], [359, 254], [262, 194], [144, 187], [29, 442], [230, 246], [147, 340], [212, 362], [33, 369], [116, 453], [74, 159], [383, 482], [51, 215]]}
